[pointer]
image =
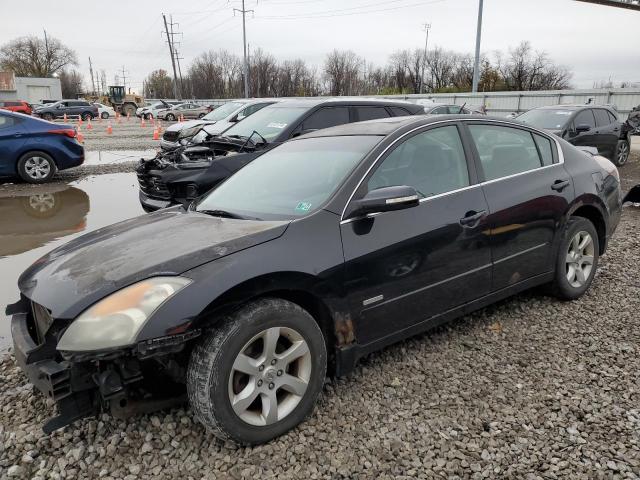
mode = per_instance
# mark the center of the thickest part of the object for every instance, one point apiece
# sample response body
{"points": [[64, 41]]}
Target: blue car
{"points": [[35, 149]]}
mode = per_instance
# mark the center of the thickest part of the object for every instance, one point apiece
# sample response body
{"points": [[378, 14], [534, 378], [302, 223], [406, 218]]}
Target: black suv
{"points": [[73, 108], [202, 162], [584, 126]]}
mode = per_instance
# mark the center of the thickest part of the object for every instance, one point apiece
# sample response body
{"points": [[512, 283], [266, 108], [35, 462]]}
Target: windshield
{"points": [[222, 112], [543, 118], [155, 106], [268, 122], [291, 180]]}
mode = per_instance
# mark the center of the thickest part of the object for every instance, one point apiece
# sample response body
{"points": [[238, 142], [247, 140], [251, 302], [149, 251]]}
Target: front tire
{"points": [[171, 117], [577, 259], [621, 154], [36, 167], [104, 115], [258, 373]]}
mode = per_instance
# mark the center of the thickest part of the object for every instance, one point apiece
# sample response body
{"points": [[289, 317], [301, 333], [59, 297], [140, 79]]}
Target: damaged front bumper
{"points": [[124, 382]]}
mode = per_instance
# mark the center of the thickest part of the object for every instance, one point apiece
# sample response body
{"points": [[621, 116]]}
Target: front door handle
{"points": [[560, 185], [472, 218], [17, 135]]}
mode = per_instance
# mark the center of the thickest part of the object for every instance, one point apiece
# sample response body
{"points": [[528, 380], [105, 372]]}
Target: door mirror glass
{"points": [[385, 199], [583, 127]]}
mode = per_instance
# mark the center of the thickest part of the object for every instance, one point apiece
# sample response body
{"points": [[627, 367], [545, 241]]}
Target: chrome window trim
{"points": [[453, 122]]}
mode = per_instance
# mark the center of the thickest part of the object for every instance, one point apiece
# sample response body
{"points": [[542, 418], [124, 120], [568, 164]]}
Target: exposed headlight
{"points": [[116, 320]]}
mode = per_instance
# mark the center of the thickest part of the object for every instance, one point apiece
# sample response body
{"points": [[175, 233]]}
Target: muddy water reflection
{"points": [[36, 219]]}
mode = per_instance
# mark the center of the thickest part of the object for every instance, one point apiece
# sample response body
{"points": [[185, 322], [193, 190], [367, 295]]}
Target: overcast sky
{"points": [[597, 43]]}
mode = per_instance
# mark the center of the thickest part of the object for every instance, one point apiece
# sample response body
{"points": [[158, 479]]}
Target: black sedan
{"points": [[320, 251]]}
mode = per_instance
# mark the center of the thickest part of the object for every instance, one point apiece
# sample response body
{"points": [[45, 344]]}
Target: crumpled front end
{"points": [[123, 382]]}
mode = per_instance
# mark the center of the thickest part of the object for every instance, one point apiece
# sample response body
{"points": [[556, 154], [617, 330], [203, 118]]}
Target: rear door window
{"points": [[602, 117], [505, 151], [399, 111], [545, 148], [6, 122], [371, 113], [585, 117], [440, 111], [326, 117]]}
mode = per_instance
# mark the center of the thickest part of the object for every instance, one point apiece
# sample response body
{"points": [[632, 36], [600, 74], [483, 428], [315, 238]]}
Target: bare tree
{"points": [[70, 83], [159, 85], [341, 72], [33, 57]]}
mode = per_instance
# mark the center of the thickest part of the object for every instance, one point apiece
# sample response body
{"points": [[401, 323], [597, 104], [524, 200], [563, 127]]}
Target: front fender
{"points": [[307, 257]]}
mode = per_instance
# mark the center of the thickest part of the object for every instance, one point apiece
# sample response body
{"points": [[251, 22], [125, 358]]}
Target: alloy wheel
{"points": [[37, 167], [623, 153], [579, 261], [270, 376]]}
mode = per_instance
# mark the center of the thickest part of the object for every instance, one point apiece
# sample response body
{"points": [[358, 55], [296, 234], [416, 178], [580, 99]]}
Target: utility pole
{"points": [[244, 42], [46, 49], [426, 27], [124, 79], [173, 60], [476, 67], [175, 53], [93, 85]]}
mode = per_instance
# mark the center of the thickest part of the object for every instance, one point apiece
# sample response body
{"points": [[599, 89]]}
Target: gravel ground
{"points": [[529, 388], [127, 135]]}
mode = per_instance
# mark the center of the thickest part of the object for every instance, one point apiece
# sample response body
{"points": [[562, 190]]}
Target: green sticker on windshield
{"points": [[303, 207]]}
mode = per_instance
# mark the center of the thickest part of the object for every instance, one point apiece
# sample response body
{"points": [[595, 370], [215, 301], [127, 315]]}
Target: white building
{"points": [[29, 89]]}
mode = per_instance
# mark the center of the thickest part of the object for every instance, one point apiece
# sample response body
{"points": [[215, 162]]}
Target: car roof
{"points": [[312, 102], [386, 126], [572, 107]]}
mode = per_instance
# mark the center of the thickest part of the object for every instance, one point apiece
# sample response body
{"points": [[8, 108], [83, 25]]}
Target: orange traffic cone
{"points": [[159, 124], [109, 129], [80, 137], [142, 124], [118, 116], [156, 134], [65, 118], [128, 116], [89, 126]]}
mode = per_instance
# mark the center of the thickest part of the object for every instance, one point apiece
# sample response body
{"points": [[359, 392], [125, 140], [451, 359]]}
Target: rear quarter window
{"points": [[602, 117], [399, 111]]}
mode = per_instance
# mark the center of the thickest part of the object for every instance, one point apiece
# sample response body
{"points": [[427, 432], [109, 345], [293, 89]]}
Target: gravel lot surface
{"points": [[529, 388], [127, 135]]}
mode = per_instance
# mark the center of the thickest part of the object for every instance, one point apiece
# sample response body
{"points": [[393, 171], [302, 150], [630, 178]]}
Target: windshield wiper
{"points": [[222, 213], [249, 140]]}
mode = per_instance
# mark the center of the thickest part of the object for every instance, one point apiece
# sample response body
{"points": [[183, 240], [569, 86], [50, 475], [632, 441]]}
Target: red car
{"points": [[16, 106]]}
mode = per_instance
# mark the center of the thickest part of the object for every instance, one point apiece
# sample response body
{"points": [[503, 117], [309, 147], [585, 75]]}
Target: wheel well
{"points": [[595, 217]]}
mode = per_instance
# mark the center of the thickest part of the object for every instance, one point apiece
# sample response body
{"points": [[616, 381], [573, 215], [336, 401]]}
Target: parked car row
{"points": [[329, 243], [206, 158]]}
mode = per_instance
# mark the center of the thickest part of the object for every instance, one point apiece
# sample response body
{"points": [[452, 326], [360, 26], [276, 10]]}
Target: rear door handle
{"points": [[560, 185], [472, 218]]}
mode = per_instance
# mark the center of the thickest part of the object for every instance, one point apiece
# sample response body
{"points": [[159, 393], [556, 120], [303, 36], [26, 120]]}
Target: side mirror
{"points": [[583, 127], [385, 199]]}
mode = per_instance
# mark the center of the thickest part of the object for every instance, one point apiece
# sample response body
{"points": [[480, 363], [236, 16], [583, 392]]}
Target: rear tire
{"points": [[104, 115], [47, 116], [128, 109], [171, 117], [86, 116], [242, 375], [621, 154], [577, 259], [148, 116], [36, 167]]}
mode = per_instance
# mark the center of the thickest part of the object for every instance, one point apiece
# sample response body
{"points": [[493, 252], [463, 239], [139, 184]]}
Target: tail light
{"points": [[71, 133], [607, 166]]}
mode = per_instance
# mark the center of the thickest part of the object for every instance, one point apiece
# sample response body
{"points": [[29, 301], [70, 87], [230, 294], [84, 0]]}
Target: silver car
{"points": [[215, 122], [186, 110]]}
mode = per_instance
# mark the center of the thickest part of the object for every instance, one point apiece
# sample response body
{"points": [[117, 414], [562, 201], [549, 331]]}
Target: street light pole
{"points": [[476, 68]]}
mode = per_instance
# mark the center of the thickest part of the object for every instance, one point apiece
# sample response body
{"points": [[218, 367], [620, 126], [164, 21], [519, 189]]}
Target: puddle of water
{"points": [[37, 220], [105, 157]]}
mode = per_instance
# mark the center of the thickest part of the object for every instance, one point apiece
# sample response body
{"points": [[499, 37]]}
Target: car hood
{"points": [[74, 276], [176, 127]]}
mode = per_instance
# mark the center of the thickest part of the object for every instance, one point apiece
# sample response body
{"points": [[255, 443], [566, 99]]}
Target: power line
{"points": [[343, 12]]}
